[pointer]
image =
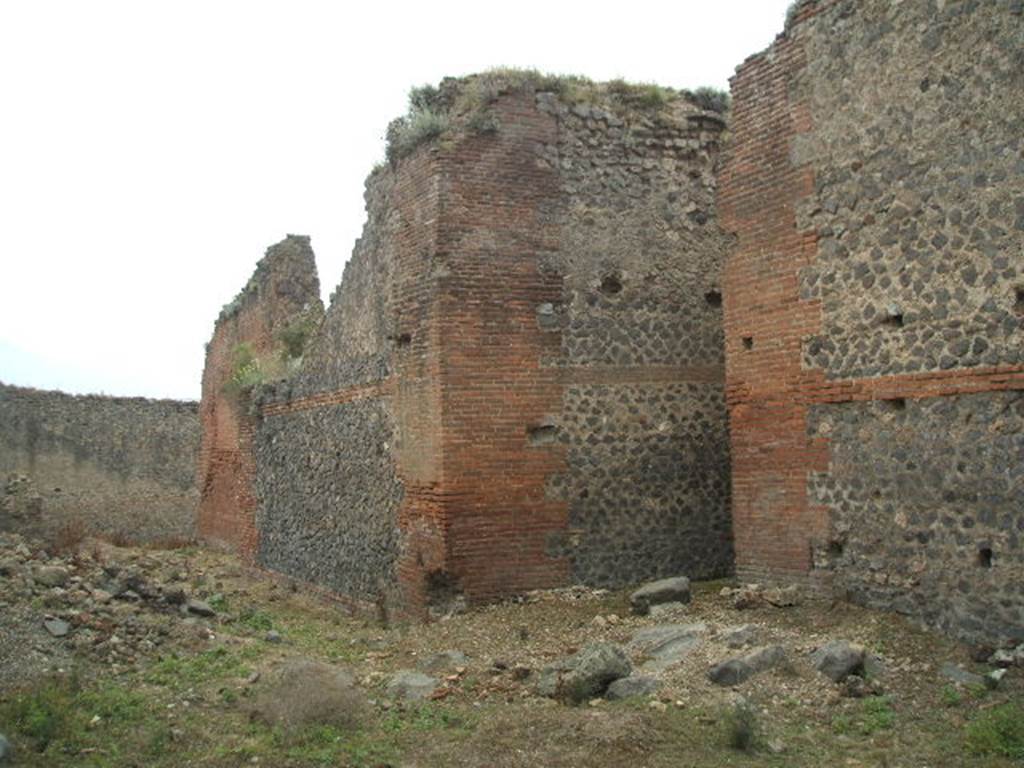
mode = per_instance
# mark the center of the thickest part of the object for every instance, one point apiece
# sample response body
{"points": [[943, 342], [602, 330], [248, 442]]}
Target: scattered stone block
{"points": [[960, 675], [738, 670], [839, 659], [739, 637], [410, 685], [634, 685], [666, 645], [674, 590], [584, 675], [57, 627], [199, 608], [445, 661]]}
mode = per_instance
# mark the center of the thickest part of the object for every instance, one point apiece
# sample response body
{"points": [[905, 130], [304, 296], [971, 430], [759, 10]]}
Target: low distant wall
{"points": [[123, 466]]}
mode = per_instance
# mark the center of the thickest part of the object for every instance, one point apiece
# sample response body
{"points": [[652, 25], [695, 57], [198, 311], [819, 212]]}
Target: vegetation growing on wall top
{"points": [[434, 110]]}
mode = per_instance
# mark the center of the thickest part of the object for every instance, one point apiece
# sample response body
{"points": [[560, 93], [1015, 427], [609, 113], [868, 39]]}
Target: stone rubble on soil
{"points": [[109, 610], [409, 685], [741, 668], [666, 645], [839, 659], [674, 590], [584, 675], [960, 675], [755, 596]]}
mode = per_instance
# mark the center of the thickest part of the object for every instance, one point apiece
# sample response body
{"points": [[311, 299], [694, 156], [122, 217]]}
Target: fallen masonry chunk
{"points": [[411, 686], [57, 627], [628, 687], [838, 659], [199, 608], [961, 675], [445, 661], [584, 675], [781, 597], [666, 645], [738, 637], [674, 590], [735, 671]]}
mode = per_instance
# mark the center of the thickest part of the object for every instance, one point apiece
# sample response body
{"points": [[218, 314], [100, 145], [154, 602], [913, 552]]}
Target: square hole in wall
{"points": [[713, 298], [1018, 305], [748, 342], [985, 557]]}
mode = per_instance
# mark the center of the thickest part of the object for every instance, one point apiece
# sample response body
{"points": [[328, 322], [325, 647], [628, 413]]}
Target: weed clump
{"points": [[711, 99], [435, 110], [742, 729], [998, 731]]}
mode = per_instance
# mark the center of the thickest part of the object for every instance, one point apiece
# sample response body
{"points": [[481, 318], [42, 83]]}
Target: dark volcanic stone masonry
{"points": [[874, 308], [120, 466], [518, 383], [333, 516], [926, 500]]}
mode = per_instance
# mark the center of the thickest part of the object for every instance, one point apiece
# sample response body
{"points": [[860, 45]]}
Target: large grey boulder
{"points": [[674, 590], [666, 645], [740, 669], [634, 685], [584, 675], [411, 686], [839, 659], [304, 692]]}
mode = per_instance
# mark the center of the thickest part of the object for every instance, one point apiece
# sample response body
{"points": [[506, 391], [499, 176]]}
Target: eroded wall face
{"points": [[346, 449], [283, 288], [874, 326], [123, 467]]}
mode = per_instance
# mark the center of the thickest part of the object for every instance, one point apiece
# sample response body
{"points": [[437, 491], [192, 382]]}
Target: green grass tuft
{"points": [[998, 731]]}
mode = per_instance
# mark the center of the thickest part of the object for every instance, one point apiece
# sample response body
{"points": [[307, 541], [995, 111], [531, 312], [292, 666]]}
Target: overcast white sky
{"points": [[151, 151]]}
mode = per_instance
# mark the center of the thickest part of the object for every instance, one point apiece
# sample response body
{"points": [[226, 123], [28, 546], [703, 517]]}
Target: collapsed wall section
{"points": [[117, 466], [874, 308], [259, 336]]}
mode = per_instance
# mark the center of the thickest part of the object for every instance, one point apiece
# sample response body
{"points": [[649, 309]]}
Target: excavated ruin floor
{"points": [[175, 657]]}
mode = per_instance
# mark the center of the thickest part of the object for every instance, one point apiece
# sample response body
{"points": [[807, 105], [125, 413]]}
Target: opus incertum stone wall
{"points": [[119, 466], [874, 308], [518, 383]]}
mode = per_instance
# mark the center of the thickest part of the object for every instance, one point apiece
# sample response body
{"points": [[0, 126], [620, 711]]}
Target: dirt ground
{"points": [[143, 677]]}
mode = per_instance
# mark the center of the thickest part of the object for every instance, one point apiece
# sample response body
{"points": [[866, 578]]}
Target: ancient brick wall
{"points": [[111, 465], [873, 310], [248, 347], [501, 398]]}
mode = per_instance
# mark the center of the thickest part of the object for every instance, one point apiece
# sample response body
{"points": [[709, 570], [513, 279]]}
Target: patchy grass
{"points": [[181, 672], [875, 714], [103, 724], [742, 727], [998, 731]]}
